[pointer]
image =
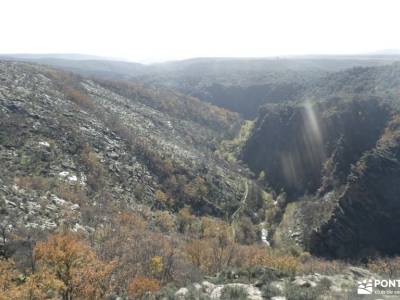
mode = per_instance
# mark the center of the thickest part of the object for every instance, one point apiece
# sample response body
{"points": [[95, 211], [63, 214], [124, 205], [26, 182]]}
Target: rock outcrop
{"points": [[367, 218], [338, 161], [312, 286]]}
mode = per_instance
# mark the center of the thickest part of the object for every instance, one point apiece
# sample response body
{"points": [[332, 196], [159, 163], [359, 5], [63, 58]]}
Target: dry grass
{"points": [[37, 183], [311, 264], [389, 266]]}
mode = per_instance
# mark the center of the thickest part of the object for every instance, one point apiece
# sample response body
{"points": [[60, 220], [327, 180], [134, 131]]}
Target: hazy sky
{"points": [[153, 30]]}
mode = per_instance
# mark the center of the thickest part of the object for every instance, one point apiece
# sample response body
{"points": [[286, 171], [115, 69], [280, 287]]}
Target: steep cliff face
{"points": [[304, 147], [367, 218], [286, 146], [338, 161]]}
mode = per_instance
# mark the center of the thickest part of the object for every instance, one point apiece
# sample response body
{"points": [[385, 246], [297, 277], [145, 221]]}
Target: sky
{"points": [[158, 30]]}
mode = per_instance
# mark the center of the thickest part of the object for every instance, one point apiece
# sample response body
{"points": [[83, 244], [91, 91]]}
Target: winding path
{"points": [[242, 204]]}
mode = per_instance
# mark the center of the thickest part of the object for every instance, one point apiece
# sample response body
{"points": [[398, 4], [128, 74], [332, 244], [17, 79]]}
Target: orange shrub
{"points": [[140, 286], [310, 264], [385, 266], [251, 256], [75, 264], [7, 276], [161, 197]]}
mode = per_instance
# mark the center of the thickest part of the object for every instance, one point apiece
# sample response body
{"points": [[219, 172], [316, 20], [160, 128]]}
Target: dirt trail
{"points": [[242, 204]]}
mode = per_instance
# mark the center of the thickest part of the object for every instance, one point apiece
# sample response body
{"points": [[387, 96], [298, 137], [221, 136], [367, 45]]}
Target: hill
{"points": [[122, 144]]}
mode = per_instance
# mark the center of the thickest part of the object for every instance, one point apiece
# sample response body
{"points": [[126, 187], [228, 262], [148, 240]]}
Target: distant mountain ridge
{"points": [[69, 56], [238, 84]]}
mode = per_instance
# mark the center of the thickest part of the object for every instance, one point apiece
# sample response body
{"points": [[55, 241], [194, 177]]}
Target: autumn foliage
{"points": [[65, 266], [385, 266], [75, 265], [136, 254], [140, 286]]}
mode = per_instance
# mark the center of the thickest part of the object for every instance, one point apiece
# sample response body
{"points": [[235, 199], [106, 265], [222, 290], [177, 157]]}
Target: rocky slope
{"points": [[72, 149]]}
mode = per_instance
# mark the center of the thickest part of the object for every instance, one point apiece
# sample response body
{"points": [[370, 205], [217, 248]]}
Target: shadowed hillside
{"points": [[332, 159]]}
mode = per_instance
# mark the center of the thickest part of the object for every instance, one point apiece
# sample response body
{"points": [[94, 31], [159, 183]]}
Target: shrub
{"points": [[161, 197], [233, 293], [294, 292], [164, 221], [269, 291], [72, 262], [167, 292], [324, 284], [7, 275], [74, 194], [141, 286], [195, 294], [187, 223], [246, 232], [310, 264], [156, 265], [39, 285], [68, 83], [285, 264], [385, 266], [37, 183], [79, 97], [96, 171]]}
